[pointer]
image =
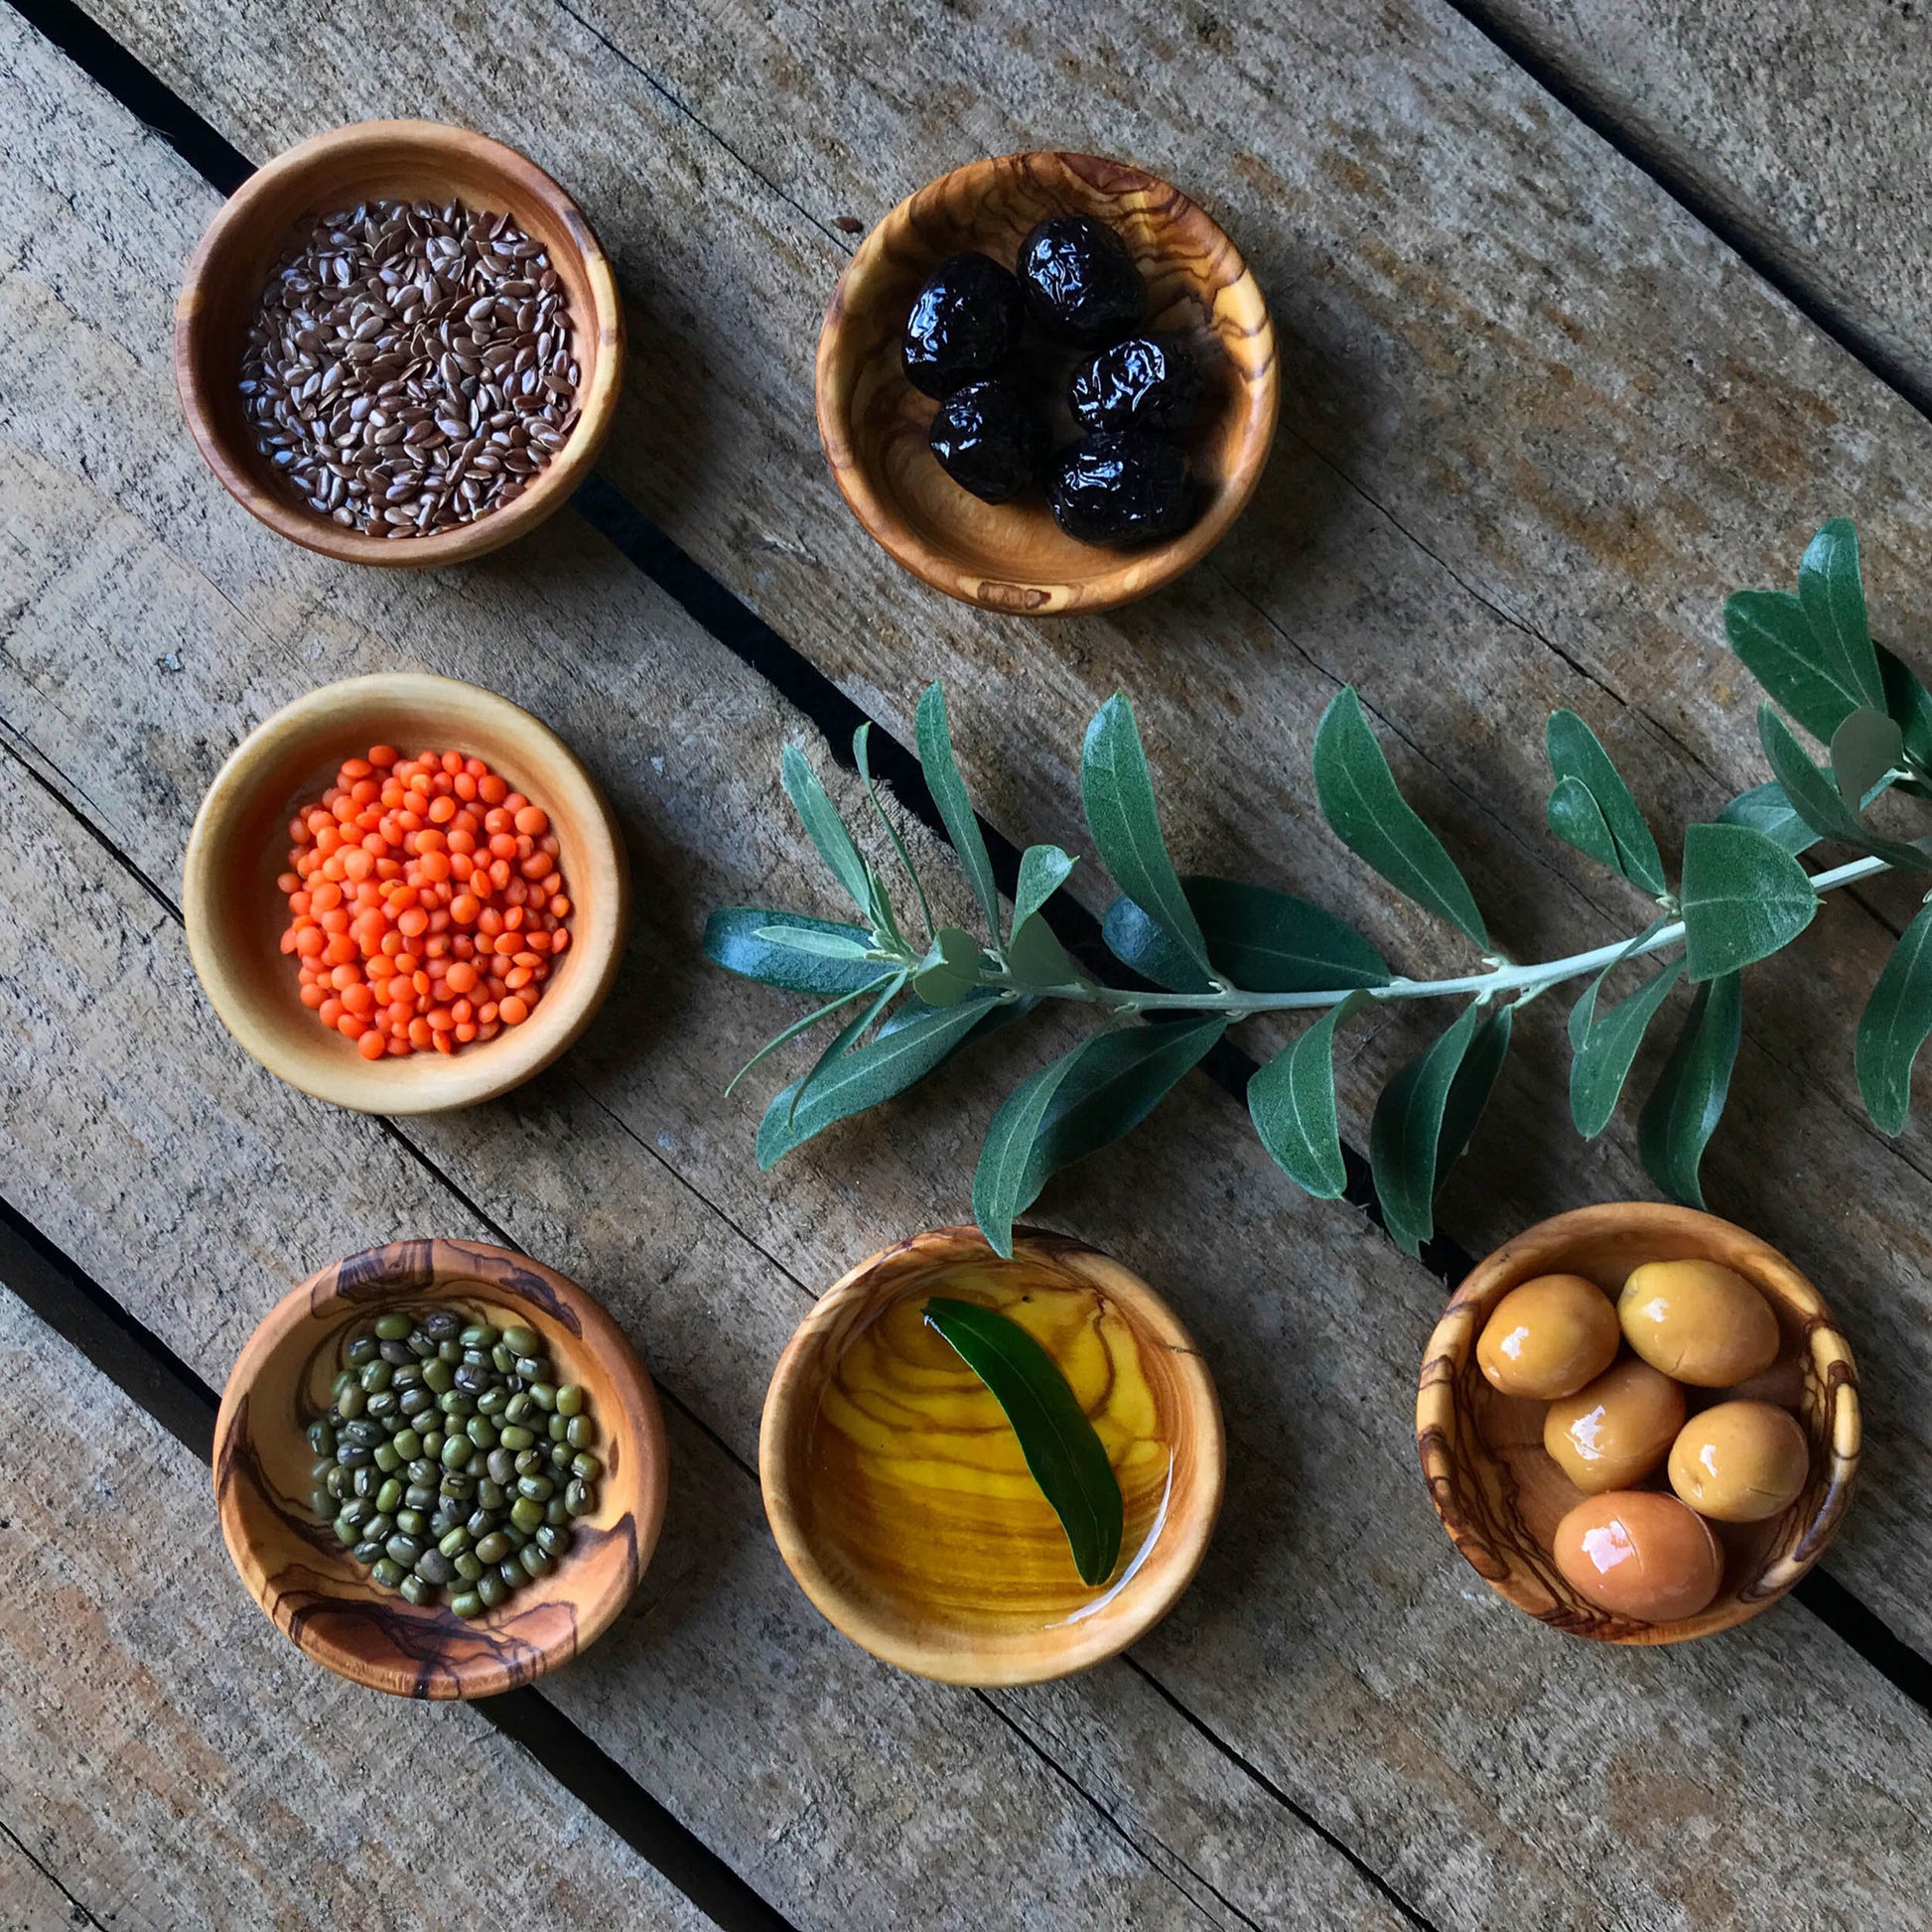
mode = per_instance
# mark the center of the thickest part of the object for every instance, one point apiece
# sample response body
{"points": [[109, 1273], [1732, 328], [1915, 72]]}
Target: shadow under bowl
{"points": [[873, 423], [326, 1604], [235, 914], [406, 161], [1500, 1492], [866, 1533]]}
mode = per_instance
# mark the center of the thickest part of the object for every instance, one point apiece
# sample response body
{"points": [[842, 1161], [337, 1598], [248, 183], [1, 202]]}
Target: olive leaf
{"points": [[862, 758], [1574, 817], [1359, 799], [846, 1036], [1576, 753], [789, 950], [827, 832], [1767, 808], [1864, 749], [1603, 1046], [1292, 1102], [1743, 897], [1043, 870], [1406, 1133], [805, 1024], [1263, 940], [1893, 1027], [948, 788], [1118, 795], [950, 969], [1062, 1451], [1476, 1080], [1002, 1174], [1036, 959], [1833, 600], [1685, 1104], [1820, 803]]}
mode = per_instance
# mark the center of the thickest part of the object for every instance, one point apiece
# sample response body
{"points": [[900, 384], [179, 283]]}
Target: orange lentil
{"points": [[425, 903]]}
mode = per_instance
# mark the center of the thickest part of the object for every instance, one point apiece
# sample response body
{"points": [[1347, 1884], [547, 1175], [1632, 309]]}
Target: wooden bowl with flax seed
{"points": [[492, 351]]}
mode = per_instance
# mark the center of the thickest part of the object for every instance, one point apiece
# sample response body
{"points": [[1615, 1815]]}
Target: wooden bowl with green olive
{"points": [[1505, 1499], [267, 1467]]}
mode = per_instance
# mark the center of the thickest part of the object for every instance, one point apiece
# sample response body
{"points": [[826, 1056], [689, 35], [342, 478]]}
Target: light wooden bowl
{"points": [[236, 913], [399, 161], [873, 423], [308, 1583], [1499, 1493], [1002, 1632]]}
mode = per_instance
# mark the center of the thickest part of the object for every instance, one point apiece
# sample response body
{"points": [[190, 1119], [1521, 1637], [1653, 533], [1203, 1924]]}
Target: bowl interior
{"points": [[917, 1530], [236, 913], [1500, 1493], [408, 161], [292, 1562], [1014, 556]]}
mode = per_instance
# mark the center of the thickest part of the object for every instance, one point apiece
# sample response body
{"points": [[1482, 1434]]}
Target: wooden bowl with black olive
{"points": [[1025, 269], [276, 1450]]}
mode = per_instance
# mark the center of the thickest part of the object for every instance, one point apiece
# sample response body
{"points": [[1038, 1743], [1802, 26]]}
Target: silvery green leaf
{"points": [[731, 940], [1765, 808], [1603, 1046], [1002, 1174], [1260, 941], [951, 968], [827, 945], [1743, 897], [1687, 1100], [948, 790], [1578, 820], [1769, 631], [1864, 749], [846, 1037], [1406, 1133], [1833, 600], [1574, 752], [798, 1026], [826, 829], [862, 758], [1359, 799], [1292, 1102], [1820, 803], [1893, 1027], [1476, 1080], [1043, 870], [1119, 797], [1038, 960]]}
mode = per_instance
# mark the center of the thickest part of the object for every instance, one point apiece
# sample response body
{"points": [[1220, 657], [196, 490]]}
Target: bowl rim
{"points": [[395, 1271], [1039, 1656], [1541, 1249], [596, 405], [494, 1066], [1139, 573]]}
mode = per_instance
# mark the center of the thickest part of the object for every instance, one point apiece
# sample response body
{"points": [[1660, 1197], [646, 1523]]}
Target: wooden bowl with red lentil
{"points": [[403, 895]]}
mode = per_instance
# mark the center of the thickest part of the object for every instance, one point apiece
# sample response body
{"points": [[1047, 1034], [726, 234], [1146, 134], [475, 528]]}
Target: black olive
{"points": [[1079, 279], [989, 440], [964, 326], [1123, 487], [1145, 382]]}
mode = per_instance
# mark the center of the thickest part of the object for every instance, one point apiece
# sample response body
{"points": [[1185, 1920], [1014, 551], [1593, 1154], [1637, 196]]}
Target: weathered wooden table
{"points": [[1549, 396]]}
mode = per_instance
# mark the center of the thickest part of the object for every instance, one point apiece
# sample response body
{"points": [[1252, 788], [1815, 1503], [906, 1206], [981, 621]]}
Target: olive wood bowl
{"points": [[1500, 1492], [959, 1638], [407, 161], [873, 423], [236, 913], [303, 1578]]}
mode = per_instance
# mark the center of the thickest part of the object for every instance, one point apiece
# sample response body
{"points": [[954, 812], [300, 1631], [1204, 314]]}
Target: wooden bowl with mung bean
{"points": [[416, 1368], [399, 344]]}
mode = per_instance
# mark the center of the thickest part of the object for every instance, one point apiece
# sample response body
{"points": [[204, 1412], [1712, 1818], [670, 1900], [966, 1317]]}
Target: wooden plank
{"points": [[207, 1775], [30, 1901], [1803, 130], [1333, 1638], [1482, 422]]}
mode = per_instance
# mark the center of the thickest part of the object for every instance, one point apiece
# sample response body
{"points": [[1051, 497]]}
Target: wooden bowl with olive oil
{"points": [[299, 1573], [1501, 1496], [898, 1492]]}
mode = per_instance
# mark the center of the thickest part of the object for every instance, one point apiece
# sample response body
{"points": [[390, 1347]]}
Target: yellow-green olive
{"points": [[1740, 1462], [1698, 1322], [1614, 1431], [1548, 1337], [1638, 1553]]}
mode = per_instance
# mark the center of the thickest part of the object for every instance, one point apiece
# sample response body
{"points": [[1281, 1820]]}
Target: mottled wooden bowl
{"points": [[298, 1573], [948, 1640], [873, 423], [1500, 1494], [408, 161], [236, 913]]}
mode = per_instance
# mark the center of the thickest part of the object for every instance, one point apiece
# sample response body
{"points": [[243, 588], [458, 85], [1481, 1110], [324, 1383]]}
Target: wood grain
{"points": [[1014, 556], [1328, 1641], [208, 1774]]}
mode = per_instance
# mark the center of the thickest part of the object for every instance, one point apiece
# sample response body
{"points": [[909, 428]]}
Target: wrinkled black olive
{"points": [[989, 440], [964, 326], [1080, 281], [1123, 487], [1145, 382]]}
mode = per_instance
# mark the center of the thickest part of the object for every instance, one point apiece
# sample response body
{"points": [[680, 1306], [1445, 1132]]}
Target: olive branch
{"points": [[1210, 953]]}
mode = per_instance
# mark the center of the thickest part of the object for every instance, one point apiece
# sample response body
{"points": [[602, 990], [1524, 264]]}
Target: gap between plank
{"points": [[757, 644], [139, 1364]]}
